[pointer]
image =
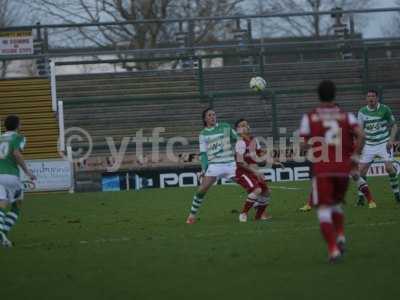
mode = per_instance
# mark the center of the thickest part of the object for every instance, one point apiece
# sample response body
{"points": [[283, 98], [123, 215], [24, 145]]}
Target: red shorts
{"points": [[329, 190], [249, 181]]}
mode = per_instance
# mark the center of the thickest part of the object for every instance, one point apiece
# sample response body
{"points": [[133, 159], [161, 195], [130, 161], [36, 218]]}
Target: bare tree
{"points": [[9, 15], [137, 36], [392, 27], [309, 25], [208, 30]]}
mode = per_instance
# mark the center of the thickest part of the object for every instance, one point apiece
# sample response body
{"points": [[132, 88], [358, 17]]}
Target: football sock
{"points": [[197, 202], [338, 222], [262, 204], [363, 189], [328, 229], [260, 211], [394, 183], [2, 220], [361, 198], [264, 199], [247, 205], [11, 217], [250, 202]]}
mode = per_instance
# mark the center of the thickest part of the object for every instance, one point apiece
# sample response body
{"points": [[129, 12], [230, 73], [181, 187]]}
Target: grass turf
{"points": [[135, 245]]}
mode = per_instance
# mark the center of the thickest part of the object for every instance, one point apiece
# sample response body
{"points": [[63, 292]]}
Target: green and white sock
{"points": [[2, 220], [360, 182], [197, 202], [394, 183], [11, 218]]}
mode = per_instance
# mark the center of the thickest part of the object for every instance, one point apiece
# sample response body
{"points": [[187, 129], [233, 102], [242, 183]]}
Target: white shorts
{"points": [[10, 188], [222, 170], [370, 152]]}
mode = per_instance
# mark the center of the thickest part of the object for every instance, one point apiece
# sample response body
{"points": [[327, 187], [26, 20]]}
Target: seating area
{"points": [[138, 84], [30, 99], [284, 79], [129, 105], [121, 105], [384, 73], [286, 75]]}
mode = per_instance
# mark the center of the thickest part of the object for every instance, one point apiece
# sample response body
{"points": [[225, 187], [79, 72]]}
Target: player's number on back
{"points": [[332, 132], [4, 147]]}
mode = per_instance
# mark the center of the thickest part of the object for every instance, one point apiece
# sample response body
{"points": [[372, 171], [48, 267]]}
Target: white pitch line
{"points": [[286, 188], [255, 231]]}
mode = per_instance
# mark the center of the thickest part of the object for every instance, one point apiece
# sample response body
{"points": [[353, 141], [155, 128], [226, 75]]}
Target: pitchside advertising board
{"points": [[188, 177], [52, 175]]}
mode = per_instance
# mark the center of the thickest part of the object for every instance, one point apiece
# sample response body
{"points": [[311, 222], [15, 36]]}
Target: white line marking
{"points": [[285, 188]]}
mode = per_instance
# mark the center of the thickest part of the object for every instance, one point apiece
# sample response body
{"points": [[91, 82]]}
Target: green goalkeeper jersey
{"points": [[218, 143], [9, 142], [376, 123]]}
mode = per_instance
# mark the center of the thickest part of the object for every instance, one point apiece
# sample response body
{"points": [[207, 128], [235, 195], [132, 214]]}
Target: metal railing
{"points": [[212, 18], [44, 36]]}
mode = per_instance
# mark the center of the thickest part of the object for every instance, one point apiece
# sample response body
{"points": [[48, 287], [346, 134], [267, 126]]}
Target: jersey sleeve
{"points": [[353, 122], [240, 147], [18, 143], [305, 128], [360, 119], [258, 146], [202, 144], [233, 134], [259, 150]]}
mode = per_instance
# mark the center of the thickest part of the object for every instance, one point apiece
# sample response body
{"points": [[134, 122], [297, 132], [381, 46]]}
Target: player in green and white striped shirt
{"points": [[380, 129], [217, 157], [11, 146]]}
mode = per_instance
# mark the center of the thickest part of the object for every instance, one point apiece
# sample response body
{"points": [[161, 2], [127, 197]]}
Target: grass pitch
{"points": [[136, 245]]}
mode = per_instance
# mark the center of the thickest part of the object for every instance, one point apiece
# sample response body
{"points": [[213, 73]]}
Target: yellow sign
{"points": [[10, 34]]}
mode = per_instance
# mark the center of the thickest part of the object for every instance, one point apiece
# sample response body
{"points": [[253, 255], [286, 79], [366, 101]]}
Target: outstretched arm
{"points": [[393, 133], [203, 161], [21, 162], [304, 133], [393, 130], [359, 140]]}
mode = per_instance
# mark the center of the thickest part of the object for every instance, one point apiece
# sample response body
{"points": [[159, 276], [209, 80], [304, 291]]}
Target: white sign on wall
{"points": [[16, 42], [52, 175], [378, 168]]}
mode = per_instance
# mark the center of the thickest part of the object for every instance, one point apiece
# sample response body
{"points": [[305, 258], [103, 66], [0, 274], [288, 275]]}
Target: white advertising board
{"points": [[16, 42], [52, 175]]}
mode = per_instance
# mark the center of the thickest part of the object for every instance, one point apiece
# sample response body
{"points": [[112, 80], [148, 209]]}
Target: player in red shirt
{"points": [[329, 133], [248, 153]]}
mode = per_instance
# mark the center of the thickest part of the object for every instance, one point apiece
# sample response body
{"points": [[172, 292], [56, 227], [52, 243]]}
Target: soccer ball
{"points": [[258, 84]]}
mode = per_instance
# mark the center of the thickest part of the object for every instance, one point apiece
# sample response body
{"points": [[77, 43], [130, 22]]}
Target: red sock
{"points": [[260, 211], [338, 221], [365, 190], [247, 205], [328, 232]]}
